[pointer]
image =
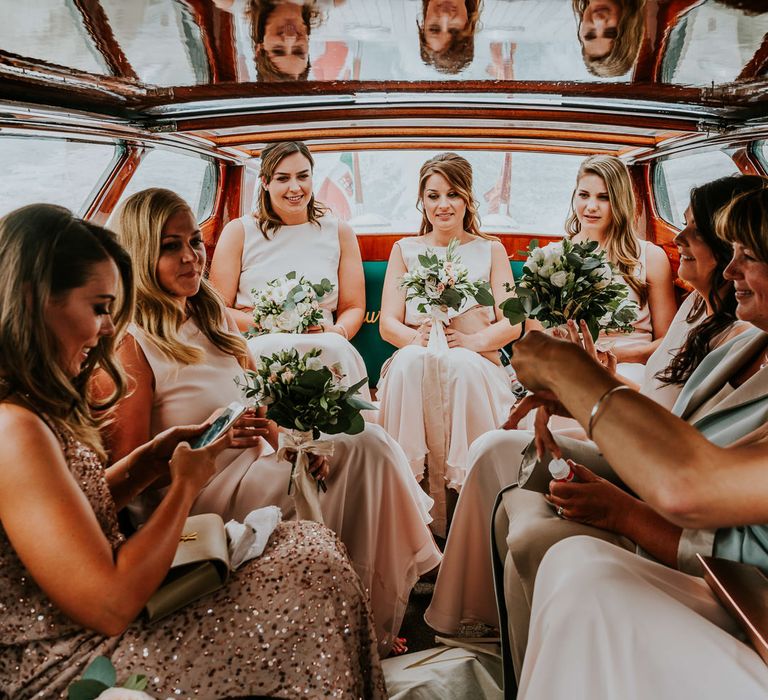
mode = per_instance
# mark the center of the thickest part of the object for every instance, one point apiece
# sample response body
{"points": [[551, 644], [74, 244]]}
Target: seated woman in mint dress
{"points": [[293, 232]]}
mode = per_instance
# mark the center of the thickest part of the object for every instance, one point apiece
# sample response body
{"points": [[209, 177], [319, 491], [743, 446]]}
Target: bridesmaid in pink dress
{"points": [[72, 586], [183, 356], [433, 404]]}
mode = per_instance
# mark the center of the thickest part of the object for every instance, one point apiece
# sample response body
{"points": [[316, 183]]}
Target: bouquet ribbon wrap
{"points": [[303, 484], [436, 417]]}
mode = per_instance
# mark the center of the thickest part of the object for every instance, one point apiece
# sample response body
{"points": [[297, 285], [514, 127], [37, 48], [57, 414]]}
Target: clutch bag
{"points": [[201, 566]]}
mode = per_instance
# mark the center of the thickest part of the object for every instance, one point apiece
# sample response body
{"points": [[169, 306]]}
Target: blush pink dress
{"points": [[474, 394], [312, 251], [373, 502]]}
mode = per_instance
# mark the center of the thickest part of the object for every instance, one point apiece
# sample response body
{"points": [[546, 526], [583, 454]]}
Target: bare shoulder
{"points": [[32, 444], [233, 232], [655, 255], [498, 249]]}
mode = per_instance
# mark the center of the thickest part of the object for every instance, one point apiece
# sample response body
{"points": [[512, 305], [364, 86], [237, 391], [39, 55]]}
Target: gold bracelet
{"points": [[594, 414]]}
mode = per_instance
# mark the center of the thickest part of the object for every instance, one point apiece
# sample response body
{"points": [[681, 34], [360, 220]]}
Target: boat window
{"points": [[32, 28], [375, 191], [712, 43], [54, 171], [193, 178], [674, 178], [761, 151], [160, 40]]}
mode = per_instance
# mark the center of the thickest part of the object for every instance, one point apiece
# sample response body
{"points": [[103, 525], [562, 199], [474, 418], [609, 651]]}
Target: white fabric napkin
{"points": [[247, 540]]}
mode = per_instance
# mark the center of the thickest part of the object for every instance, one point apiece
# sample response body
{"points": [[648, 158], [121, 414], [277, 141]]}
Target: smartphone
{"points": [[220, 426]]}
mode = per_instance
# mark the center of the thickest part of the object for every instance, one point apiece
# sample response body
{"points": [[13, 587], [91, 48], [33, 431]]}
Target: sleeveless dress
{"points": [[643, 329], [474, 394], [256, 636], [644, 631], [373, 502], [673, 341], [311, 251]]}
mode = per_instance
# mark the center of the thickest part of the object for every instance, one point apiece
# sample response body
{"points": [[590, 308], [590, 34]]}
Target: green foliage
{"points": [[301, 393], [567, 280], [443, 282], [100, 676]]}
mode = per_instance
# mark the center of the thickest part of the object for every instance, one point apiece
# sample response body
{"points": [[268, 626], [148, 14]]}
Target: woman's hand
{"points": [[606, 358], [195, 467], [248, 429], [530, 403], [319, 467], [545, 441], [591, 499], [421, 337], [457, 339], [162, 446]]}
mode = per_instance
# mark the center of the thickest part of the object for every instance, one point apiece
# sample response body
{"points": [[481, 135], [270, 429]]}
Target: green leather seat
{"points": [[368, 341]]}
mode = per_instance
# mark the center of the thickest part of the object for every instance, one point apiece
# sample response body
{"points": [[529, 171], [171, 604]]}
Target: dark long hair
{"points": [[45, 252], [706, 201]]}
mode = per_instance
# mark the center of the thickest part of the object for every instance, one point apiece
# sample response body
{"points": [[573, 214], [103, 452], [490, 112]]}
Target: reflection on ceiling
{"points": [[167, 43]]}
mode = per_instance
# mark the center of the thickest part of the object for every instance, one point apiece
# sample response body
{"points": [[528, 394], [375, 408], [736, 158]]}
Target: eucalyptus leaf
{"points": [[101, 669], [86, 689], [136, 682]]}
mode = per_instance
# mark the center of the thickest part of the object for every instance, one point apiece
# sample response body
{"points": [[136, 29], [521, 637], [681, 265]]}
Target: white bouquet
{"points": [[288, 304], [567, 280], [442, 283], [305, 398]]}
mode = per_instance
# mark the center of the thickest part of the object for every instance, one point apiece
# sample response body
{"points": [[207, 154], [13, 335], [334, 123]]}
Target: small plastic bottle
{"points": [[561, 470]]}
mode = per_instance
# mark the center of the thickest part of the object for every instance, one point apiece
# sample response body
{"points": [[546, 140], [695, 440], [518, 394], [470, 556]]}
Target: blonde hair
{"points": [[140, 223], [458, 172], [266, 216], [46, 252], [744, 220], [621, 244], [625, 47]]}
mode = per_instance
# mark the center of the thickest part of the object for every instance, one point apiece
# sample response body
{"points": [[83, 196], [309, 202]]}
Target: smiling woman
{"points": [[610, 33], [280, 33]]}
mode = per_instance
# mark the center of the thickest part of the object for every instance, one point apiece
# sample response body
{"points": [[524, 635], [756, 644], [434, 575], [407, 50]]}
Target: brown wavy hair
{"points": [[621, 244], [458, 172], [706, 201], [140, 222], [46, 252], [745, 220], [629, 36], [460, 50], [258, 13], [266, 217]]}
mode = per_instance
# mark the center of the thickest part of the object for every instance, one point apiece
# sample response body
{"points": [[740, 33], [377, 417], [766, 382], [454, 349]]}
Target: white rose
{"points": [[123, 694], [559, 278], [267, 323], [315, 363], [532, 265], [537, 255], [288, 320], [546, 270]]}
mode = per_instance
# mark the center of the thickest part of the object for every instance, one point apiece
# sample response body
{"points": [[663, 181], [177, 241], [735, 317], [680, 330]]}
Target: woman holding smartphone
{"points": [[183, 356], [71, 585]]}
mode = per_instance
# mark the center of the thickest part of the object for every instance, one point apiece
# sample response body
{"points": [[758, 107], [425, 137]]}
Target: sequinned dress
{"points": [[293, 623]]}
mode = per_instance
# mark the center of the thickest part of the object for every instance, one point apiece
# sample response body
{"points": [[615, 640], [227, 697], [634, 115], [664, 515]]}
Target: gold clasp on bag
{"points": [[188, 537]]}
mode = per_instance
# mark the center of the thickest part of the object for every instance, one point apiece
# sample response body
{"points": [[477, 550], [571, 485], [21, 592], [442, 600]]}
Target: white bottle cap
{"points": [[559, 468]]}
